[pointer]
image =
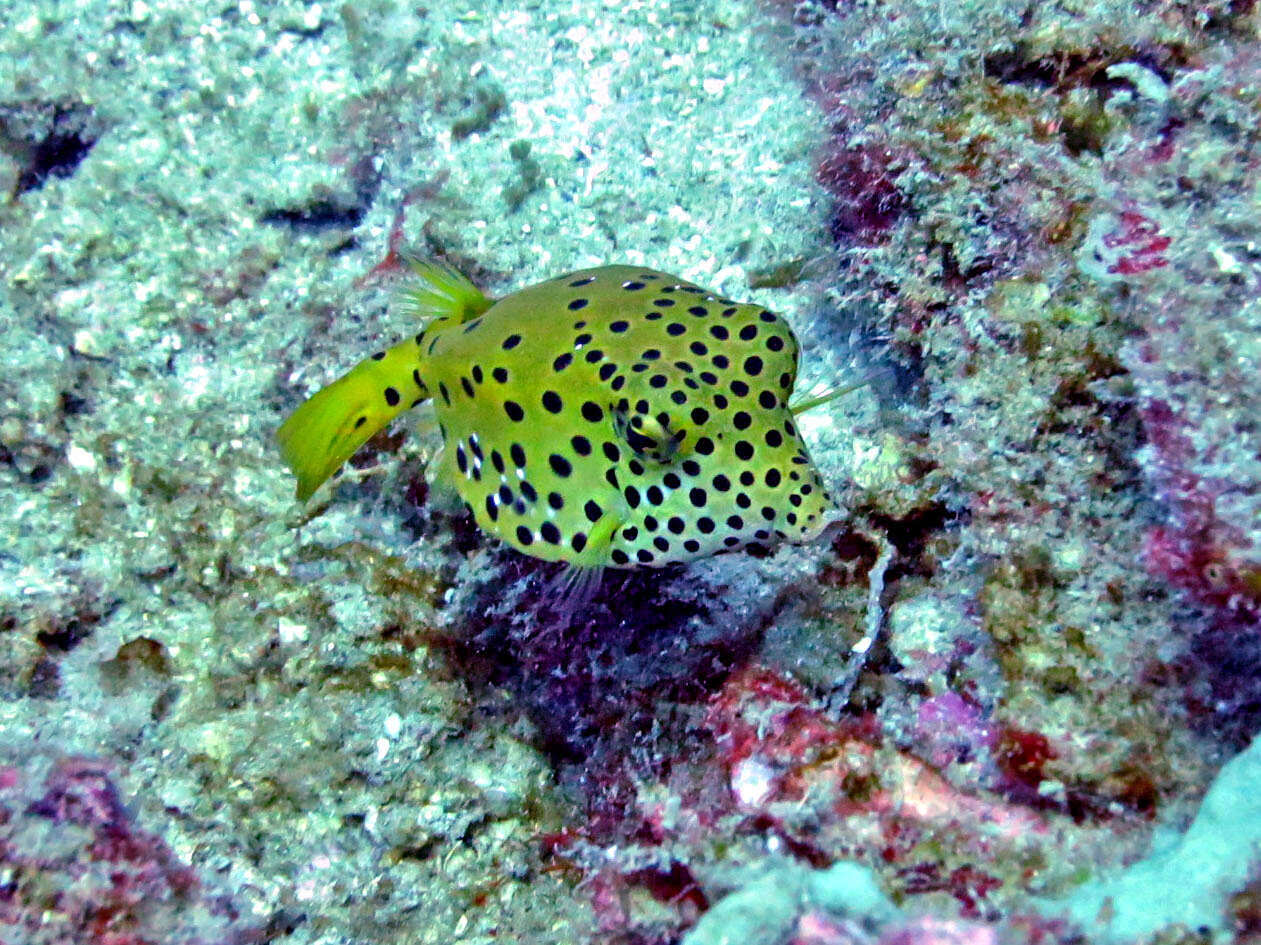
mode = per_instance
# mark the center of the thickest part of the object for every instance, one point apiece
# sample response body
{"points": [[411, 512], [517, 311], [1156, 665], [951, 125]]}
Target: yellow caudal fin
{"points": [[442, 291], [326, 430]]}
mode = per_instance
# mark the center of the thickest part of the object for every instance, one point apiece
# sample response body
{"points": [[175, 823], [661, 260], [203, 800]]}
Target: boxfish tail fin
{"points": [[327, 429]]}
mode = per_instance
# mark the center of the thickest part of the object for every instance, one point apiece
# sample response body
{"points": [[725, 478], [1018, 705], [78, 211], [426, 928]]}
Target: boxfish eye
{"points": [[646, 435]]}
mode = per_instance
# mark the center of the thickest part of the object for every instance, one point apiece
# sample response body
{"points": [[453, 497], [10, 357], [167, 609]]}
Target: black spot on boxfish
{"points": [[524, 535], [748, 332], [744, 450], [556, 500], [562, 362], [391, 397], [559, 464], [675, 329], [577, 304], [591, 412], [579, 541], [500, 375], [550, 533], [514, 411], [581, 445], [753, 365], [551, 401], [511, 342]]}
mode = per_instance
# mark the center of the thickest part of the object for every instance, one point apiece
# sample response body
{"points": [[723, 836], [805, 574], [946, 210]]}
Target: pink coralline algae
{"points": [[863, 187], [1130, 243], [781, 750], [952, 728], [79, 870], [1200, 552]]}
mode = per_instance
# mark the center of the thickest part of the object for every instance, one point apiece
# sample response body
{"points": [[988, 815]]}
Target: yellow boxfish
{"points": [[612, 417]]}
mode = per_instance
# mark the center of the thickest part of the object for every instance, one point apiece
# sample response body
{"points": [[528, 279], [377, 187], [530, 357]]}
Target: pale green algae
{"points": [[765, 909], [1188, 878]]}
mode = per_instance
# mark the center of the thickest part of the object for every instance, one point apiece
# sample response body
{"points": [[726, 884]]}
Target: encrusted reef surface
{"points": [[1008, 697]]}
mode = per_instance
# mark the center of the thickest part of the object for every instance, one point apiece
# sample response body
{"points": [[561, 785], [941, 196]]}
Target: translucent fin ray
{"points": [[442, 291]]}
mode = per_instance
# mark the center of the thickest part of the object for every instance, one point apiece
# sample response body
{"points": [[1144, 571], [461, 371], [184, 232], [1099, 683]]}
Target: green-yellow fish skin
{"points": [[612, 417]]}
